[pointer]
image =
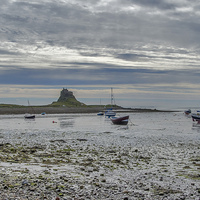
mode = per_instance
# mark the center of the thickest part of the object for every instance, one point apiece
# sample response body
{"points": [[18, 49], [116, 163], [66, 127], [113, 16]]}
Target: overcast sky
{"points": [[148, 51]]}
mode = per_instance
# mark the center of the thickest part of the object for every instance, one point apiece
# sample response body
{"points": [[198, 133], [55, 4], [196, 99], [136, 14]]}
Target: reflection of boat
{"points": [[28, 115], [187, 112], [100, 113], [120, 120]]}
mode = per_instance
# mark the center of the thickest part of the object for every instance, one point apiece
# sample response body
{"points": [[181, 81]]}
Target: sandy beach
{"points": [[119, 164]]}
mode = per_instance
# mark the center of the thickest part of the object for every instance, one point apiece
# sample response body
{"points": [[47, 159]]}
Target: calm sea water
{"points": [[143, 129]]}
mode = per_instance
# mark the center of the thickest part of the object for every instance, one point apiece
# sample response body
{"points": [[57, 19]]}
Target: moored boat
{"points": [[187, 112], [120, 120], [110, 113], [29, 116], [100, 113], [196, 117]]}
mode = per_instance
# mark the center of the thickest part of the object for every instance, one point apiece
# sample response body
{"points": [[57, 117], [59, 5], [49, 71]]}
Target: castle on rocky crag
{"points": [[65, 94], [67, 99]]}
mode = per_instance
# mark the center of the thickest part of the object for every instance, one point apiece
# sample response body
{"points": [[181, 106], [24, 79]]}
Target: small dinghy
{"points": [[100, 113], [29, 116], [187, 112], [120, 120]]}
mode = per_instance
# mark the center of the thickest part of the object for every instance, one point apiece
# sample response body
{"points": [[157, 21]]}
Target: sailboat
{"points": [[110, 113], [100, 112], [28, 115]]}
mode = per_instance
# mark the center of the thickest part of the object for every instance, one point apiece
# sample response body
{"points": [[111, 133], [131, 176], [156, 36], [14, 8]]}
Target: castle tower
{"points": [[65, 94]]}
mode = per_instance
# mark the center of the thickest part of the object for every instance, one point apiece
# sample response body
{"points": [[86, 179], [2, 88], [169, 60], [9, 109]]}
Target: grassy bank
{"points": [[48, 110], [56, 110]]}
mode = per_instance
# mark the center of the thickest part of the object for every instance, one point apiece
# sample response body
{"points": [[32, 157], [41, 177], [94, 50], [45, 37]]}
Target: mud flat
{"points": [[51, 166]]}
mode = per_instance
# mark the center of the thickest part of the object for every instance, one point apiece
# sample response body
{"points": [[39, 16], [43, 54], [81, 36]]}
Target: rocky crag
{"points": [[67, 99], [65, 95]]}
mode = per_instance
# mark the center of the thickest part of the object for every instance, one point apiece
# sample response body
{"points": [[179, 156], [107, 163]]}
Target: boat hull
{"points": [[100, 113], [120, 120], [196, 118], [29, 116], [187, 112]]}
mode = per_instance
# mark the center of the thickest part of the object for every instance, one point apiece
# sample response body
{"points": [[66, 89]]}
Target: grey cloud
{"points": [[161, 4], [73, 24], [90, 54], [130, 56], [5, 52], [89, 42], [14, 19]]}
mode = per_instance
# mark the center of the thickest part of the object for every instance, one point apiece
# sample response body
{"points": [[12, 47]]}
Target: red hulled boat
{"points": [[120, 120]]}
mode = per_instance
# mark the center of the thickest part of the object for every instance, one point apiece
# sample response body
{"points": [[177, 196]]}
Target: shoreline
{"points": [[62, 110]]}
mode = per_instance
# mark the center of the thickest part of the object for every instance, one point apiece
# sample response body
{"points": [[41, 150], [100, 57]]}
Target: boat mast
{"points": [[112, 97]]}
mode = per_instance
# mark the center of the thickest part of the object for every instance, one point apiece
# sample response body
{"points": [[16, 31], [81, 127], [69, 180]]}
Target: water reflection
{"points": [[66, 122], [196, 126], [30, 123], [29, 119]]}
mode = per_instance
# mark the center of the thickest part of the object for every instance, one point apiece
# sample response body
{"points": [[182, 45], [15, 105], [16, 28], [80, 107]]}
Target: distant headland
{"points": [[67, 103]]}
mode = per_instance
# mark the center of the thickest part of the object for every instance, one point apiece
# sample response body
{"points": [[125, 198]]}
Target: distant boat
{"points": [[100, 113], [120, 120], [110, 113], [28, 115], [187, 112], [43, 113]]}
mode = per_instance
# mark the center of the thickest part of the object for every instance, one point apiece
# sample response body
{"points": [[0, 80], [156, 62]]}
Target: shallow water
{"points": [[143, 128]]}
